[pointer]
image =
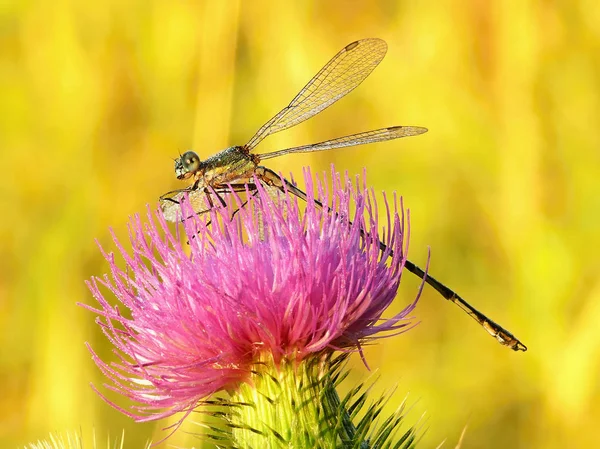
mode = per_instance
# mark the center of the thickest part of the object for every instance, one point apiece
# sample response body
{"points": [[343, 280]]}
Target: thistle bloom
{"points": [[282, 282]]}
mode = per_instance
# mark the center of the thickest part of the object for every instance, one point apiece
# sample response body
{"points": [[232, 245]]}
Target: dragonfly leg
{"points": [[253, 192], [226, 189], [207, 192], [232, 188]]}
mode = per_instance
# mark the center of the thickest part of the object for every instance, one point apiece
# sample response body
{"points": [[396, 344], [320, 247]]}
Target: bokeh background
{"points": [[96, 98]]}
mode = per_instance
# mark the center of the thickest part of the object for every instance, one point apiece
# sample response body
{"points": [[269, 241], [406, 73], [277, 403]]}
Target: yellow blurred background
{"points": [[98, 97]]}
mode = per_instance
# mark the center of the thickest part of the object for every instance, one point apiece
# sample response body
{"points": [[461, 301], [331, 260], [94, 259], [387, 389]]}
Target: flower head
{"points": [[284, 278]]}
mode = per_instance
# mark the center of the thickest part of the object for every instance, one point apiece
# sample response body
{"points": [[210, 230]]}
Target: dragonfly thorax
{"points": [[187, 165]]}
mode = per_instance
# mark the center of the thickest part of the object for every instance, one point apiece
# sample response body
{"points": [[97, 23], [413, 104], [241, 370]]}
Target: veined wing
{"points": [[378, 135], [170, 202], [201, 200], [341, 75]]}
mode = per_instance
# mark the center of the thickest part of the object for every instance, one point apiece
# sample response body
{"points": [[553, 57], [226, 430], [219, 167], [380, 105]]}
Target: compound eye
{"points": [[190, 161]]}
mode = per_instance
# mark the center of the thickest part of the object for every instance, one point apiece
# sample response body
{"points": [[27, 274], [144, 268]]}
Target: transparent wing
{"points": [[378, 135], [170, 202], [342, 74], [201, 200]]}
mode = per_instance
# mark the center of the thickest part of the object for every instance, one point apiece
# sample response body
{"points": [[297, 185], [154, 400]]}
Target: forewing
{"points": [[378, 135], [343, 73]]}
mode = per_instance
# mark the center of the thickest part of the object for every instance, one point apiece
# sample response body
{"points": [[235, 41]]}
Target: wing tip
{"points": [[410, 130], [351, 46], [372, 40]]}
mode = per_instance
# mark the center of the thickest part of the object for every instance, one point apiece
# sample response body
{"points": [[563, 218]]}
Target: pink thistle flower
{"points": [[293, 284]]}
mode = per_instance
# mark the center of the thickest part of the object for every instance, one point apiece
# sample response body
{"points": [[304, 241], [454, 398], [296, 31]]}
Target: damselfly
{"points": [[236, 167]]}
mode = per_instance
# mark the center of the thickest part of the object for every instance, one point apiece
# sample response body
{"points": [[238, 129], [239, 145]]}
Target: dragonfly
{"points": [[236, 168]]}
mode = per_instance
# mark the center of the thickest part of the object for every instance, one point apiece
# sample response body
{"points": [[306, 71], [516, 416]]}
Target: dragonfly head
{"points": [[187, 165]]}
